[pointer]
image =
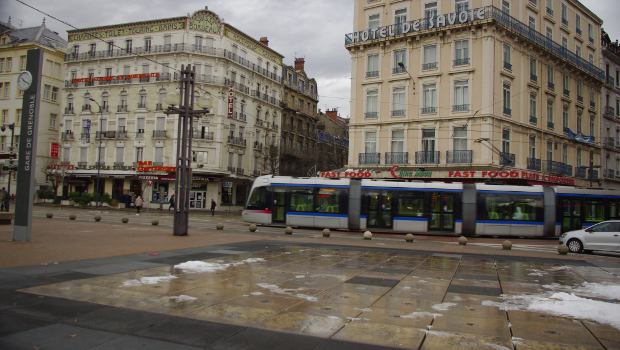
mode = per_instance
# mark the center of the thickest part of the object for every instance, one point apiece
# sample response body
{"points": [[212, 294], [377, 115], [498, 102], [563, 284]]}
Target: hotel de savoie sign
{"points": [[416, 25], [457, 175]]}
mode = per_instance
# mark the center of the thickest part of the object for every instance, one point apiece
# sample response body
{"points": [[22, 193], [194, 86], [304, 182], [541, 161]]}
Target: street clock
{"points": [[24, 80]]}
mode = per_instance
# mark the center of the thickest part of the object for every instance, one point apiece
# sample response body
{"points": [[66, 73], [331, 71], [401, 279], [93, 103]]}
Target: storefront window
{"points": [[410, 204], [511, 207], [328, 200], [301, 200], [160, 192], [227, 192]]}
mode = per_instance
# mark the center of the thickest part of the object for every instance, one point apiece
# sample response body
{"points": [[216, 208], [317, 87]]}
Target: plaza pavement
{"points": [[106, 285]]}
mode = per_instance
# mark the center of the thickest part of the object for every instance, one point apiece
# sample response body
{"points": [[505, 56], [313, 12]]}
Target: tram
{"points": [[427, 207]]}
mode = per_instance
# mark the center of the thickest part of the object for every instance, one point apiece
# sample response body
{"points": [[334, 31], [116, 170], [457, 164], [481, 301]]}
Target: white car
{"points": [[602, 236]]}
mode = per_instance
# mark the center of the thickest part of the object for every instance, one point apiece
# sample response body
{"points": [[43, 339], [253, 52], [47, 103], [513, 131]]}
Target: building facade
{"points": [[474, 90], [332, 141], [127, 147], [610, 95], [14, 45], [298, 154]]}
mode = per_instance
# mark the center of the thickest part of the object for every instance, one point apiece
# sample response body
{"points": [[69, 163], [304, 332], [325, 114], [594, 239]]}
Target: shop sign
{"points": [[54, 151], [156, 177], [58, 166], [510, 174], [148, 167], [231, 102], [393, 173], [115, 77]]}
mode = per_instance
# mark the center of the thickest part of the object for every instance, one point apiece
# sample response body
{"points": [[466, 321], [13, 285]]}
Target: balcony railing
{"points": [[198, 135], [506, 159], [507, 111], [610, 80], [398, 113], [67, 136], [610, 173], [459, 157], [533, 164], [82, 165], [533, 77], [369, 158], [460, 108], [398, 70], [549, 11], [258, 146], [85, 108], [121, 134], [396, 157], [372, 74], [140, 134], [85, 136], [566, 92], [142, 105], [507, 66], [461, 61], [237, 141], [609, 112], [159, 134], [592, 105], [554, 167], [427, 157], [533, 119], [550, 85], [579, 98], [580, 172], [429, 110], [121, 108], [69, 110], [429, 66], [371, 114], [550, 125]]}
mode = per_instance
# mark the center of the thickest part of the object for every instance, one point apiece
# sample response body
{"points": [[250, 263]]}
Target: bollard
{"points": [[49, 215], [124, 220], [252, 228], [326, 233], [367, 235], [506, 245], [409, 238], [462, 240], [288, 230], [155, 222], [219, 226], [562, 249], [72, 217], [97, 218]]}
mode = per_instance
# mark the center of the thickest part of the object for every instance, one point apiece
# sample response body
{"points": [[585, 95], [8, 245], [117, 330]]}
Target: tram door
{"points": [[571, 214], [379, 209], [442, 212], [278, 206]]}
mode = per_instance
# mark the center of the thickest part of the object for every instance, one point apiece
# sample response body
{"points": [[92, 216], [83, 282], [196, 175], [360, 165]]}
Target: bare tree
{"points": [[274, 159]]}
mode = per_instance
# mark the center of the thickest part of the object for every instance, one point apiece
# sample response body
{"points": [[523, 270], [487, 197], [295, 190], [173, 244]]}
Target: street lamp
{"points": [[98, 188], [11, 151], [402, 65]]}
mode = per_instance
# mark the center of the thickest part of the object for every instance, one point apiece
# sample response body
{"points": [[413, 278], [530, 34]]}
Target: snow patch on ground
{"points": [[366, 309], [300, 276], [597, 290], [333, 317], [443, 306], [559, 268], [438, 333], [256, 293], [517, 340], [420, 314], [148, 280], [204, 266], [182, 298], [537, 273], [562, 304], [287, 291]]}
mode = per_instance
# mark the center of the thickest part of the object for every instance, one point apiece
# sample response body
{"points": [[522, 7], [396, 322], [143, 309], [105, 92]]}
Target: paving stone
{"points": [[474, 290], [13, 299], [133, 342], [115, 319], [258, 339], [189, 332], [118, 268], [55, 309], [371, 281], [332, 344], [483, 277], [56, 337], [11, 323]]}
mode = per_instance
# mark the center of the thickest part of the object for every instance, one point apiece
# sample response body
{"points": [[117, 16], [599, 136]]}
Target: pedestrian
{"points": [[4, 198], [171, 201], [138, 203], [213, 205]]}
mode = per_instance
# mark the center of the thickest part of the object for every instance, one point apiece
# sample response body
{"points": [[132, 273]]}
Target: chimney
{"points": [[299, 63], [263, 40], [332, 113]]}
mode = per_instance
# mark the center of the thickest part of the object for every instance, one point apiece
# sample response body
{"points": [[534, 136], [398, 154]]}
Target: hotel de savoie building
{"points": [[471, 90], [129, 74]]}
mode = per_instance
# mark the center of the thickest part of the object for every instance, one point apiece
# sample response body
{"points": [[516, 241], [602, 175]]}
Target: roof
{"points": [[40, 34]]}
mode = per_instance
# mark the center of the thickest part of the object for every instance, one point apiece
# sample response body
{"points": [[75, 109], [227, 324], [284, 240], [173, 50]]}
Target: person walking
{"points": [[171, 201], [213, 205], [138, 203], [4, 198]]}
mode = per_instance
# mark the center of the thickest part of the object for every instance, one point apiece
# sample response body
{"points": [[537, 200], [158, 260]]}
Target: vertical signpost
{"points": [[30, 82]]}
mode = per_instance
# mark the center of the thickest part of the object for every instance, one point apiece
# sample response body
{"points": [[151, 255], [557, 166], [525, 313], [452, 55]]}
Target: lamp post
{"points": [[98, 187], [402, 65], [11, 151], [186, 113]]}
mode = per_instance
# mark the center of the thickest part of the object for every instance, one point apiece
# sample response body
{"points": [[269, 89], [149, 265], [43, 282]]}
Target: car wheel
{"points": [[574, 246]]}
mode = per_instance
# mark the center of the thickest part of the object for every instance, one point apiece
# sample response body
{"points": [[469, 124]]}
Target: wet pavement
{"points": [[259, 295]]}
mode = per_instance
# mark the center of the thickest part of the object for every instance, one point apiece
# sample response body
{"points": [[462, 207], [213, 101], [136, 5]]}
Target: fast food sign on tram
{"points": [[395, 172]]}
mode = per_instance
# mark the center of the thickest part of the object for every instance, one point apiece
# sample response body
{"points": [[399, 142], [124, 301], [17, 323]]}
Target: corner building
{"points": [[129, 148], [474, 90], [611, 112]]}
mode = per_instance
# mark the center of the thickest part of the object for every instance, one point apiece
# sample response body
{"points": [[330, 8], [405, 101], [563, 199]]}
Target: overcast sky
{"points": [[313, 29]]}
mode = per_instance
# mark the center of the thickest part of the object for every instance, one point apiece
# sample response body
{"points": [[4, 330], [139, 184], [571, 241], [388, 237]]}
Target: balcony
{"points": [[86, 108], [610, 173], [533, 164], [580, 99], [610, 81], [121, 108], [508, 66], [459, 157], [427, 157], [578, 30], [554, 167], [533, 120], [566, 92], [140, 134], [398, 70], [256, 173], [506, 159], [550, 85], [371, 114], [461, 61], [369, 158], [396, 157], [159, 134], [429, 66], [81, 165], [609, 112], [564, 22], [429, 110], [550, 125], [159, 107], [549, 11], [534, 77], [236, 141], [141, 105], [232, 169], [398, 113], [198, 135], [580, 172], [119, 166], [67, 136], [507, 111], [372, 74], [121, 134], [69, 110], [460, 108], [609, 142], [258, 146], [592, 105], [99, 165], [239, 171], [85, 137]]}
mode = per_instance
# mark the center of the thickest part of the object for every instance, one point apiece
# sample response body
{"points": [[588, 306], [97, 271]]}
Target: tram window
{"points": [[258, 199], [613, 209], [410, 204], [595, 211], [328, 200], [301, 200], [511, 207]]}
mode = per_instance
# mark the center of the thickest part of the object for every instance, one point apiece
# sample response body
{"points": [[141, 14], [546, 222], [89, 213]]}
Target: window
{"points": [[400, 61], [510, 207], [531, 23], [578, 157], [140, 125], [549, 34], [461, 52], [430, 57], [370, 142], [54, 96], [331, 200], [410, 204], [93, 50], [532, 146], [430, 9], [147, 44], [580, 90], [428, 140], [128, 46], [506, 6], [400, 16], [429, 95], [373, 21], [398, 141], [101, 155], [565, 153], [461, 96], [120, 154], [460, 138], [372, 66], [578, 50], [549, 150], [506, 141], [83, 154], [550, 114], [506, 99], [2, 64], [5, 116], [565, 118], [564, 14], [579, 122], [110, 48], [533, 75], [550, 82], [66, 154], [53, 118], [398, 102], [578, 24], [566, 84], [198, 42], [549, 7], [22, 62], [590, 33], [461, 6], [371, 103], [47, 91], [159, 155], [302, 200], [532, 108], [507, 64], [592, 126], [76, 51], [7, 89]]}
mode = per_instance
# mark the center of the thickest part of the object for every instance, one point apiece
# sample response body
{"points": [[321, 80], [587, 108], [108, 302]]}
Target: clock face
{"points": [[24, 80]]}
